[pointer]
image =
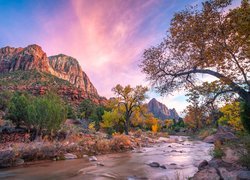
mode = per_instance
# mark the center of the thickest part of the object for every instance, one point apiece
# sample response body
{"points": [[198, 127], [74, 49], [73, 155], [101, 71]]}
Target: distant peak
{"points": [[34, 46], [153, 100]]}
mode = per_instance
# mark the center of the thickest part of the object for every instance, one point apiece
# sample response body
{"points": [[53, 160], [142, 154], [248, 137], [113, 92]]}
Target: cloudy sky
{"points": [[107, 37]]}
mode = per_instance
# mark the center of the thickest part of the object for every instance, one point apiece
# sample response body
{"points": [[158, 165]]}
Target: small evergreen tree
{"points": [[46, 113], [18, 109]]}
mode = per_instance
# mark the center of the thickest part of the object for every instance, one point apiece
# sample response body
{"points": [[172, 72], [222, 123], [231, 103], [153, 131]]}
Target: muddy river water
{"points": [[181, 160]]}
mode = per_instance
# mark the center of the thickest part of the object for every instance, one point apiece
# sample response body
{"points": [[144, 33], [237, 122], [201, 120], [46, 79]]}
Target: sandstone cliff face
{"points": [[33, 57], [161, 111], [68, 68]]}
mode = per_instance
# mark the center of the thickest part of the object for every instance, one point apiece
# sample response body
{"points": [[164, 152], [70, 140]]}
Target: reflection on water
{"points": [[180, 159]]}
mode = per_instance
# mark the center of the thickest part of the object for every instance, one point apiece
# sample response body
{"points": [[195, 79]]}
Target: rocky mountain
{"points": [[68, 68], [30, 68], [161, 111]]}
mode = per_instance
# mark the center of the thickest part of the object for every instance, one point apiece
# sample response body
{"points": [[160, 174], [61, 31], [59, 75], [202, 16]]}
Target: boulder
{"points": [[70, 156], [220, 136], [207, 174], [202, 165]]}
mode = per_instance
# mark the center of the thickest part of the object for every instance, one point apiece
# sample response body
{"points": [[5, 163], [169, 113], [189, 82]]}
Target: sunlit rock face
{"points": [[30, 57], [68, 68], [33, 57], [161, 111]]}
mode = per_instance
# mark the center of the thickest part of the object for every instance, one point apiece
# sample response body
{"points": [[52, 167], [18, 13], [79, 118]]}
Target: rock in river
{"points": [[70, 156], [154, 164], [92, 158], [202, 165]]}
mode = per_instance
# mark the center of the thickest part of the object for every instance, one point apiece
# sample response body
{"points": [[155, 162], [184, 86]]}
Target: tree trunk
{"points": [[126, 125]]}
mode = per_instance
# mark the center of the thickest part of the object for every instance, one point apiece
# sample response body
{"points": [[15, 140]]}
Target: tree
{"points": [[194, 117], [245, 115], [203, 41], [112, 121], [46, 113], [18, 108], [231, 115], [129, 98], [87, 108]]}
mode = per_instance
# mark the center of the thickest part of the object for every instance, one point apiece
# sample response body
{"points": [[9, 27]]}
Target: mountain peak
{"points": [[33, 57], [161, 111]]}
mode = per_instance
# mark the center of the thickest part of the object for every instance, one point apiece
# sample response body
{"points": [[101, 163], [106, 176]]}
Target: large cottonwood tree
{"points": [[129, 99], [208, 40]]}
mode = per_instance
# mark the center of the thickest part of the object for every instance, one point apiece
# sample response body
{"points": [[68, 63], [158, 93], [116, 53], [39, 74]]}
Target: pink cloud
{"points": [[107, 38]]}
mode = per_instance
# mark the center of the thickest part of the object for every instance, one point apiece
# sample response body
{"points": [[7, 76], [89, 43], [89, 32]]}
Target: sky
{"points": [[107, 37]]}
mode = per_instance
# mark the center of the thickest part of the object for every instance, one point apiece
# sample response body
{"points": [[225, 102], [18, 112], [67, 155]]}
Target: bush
{"points": [[71, 113], [120, 142], [46, 113], [217, 151], [18, 109]]}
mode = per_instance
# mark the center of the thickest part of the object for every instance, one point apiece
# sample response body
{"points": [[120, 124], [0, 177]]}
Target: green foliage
{"points": [[71, 113], [5, 97], [203, 39], [47, 112], [217, 152], [86, 108], [128, 100], [18, 109], [113, 121], [245, 115], [231, 116]]}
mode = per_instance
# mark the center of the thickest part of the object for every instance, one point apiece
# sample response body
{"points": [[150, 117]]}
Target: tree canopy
{"points": [[129, 98], [209, 40]]}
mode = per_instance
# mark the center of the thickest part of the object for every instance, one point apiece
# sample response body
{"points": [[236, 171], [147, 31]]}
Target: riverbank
{"points": [[230, 157], [73, 147], [175, 157]]}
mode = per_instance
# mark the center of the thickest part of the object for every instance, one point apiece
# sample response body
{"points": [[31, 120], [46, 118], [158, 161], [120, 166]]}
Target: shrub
{"points": [[71, 113], [217, 151], [86, 108], [155, 128], [120, 142], [112, 121], [18, 109], [47, 112]]}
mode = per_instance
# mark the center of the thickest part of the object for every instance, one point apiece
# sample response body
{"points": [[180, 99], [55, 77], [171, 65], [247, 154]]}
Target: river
{"points": [[180, 159]]}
